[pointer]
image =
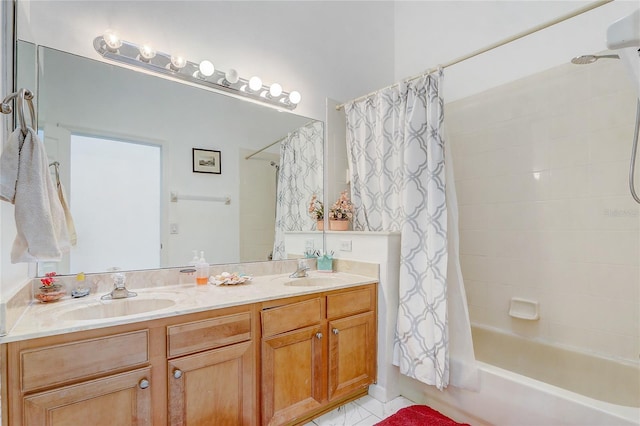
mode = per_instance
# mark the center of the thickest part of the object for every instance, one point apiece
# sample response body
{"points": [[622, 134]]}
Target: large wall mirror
{"points": [[154, 169]]}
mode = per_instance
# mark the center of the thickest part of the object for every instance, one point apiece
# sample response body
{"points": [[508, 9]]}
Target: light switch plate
{"points": [[345, 245]]}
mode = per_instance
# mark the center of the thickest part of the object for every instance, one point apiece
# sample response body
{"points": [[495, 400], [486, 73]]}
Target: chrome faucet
{"points": [[301, 272], [119, 290]]}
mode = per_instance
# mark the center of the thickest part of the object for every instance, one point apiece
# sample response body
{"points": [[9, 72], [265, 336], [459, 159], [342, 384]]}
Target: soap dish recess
{"points": [[524, 309]]}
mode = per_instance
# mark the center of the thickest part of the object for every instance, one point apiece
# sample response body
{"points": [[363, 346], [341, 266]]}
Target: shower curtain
{"points": [[299, 178], [396, 155]]}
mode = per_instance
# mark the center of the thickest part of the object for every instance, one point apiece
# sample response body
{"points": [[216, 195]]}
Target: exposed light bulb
{"points": [[206, 68], [275, 90], [178, 62], [232, 76], [147, 53], [112, 40], [294, 97], [255, 83]]}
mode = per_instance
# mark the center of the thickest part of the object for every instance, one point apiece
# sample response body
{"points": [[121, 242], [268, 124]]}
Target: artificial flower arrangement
{"points": [[342, 209], [49, 280], [50, 290], [316, 208]]}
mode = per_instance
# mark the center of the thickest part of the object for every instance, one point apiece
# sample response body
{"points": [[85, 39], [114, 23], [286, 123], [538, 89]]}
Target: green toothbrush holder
{"points": [[325, 263]]}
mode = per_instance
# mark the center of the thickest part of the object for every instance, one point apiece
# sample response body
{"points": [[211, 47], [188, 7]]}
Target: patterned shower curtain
{"points": [[397, 161], [299, 178]]}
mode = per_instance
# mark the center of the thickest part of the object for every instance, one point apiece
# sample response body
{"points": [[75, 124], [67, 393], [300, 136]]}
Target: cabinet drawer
{"points": [[54, 365], [351, 302], [208, 334], [291, 317], [119, 399]]}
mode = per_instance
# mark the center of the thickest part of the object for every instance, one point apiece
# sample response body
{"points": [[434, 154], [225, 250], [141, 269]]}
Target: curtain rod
{"points": [[276, 142], [492, 46]]}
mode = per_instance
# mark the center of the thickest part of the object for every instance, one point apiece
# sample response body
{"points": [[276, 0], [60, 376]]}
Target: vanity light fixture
{"points": [[231, 76], [147, 53], [111, 46], [112, 40], [275, 90], [255, 83], [206, 69], [295, 97], [177, 62]]}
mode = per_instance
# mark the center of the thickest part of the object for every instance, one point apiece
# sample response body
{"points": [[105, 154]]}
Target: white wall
{"points": [[334, 49], [428, 33]]}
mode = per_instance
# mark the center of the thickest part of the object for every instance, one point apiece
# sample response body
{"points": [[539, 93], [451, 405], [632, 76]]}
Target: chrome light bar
{"points": [[202, 74]]}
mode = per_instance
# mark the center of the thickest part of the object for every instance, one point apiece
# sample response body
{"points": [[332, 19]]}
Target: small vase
{"points": [[51, 293], [339, 224], [320, 225]]}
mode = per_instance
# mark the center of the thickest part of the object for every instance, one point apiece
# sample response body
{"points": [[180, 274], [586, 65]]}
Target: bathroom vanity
{"points": [[278, 359]]}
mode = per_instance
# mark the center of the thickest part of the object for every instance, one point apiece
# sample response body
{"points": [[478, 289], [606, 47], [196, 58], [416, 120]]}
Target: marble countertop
{"points": [[46, 319]]}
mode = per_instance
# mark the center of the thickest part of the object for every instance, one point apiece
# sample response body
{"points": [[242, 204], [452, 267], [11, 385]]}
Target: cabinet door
{"points": [[121, 399], [293, 380], [352, 354], [216, 387]]}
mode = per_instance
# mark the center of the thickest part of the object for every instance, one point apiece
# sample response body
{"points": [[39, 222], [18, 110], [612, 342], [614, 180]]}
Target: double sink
{"points": [[154, 301]]}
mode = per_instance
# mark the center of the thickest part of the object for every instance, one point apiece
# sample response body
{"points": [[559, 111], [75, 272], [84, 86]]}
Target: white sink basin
{"points": [[102, 309], [310, 281]]}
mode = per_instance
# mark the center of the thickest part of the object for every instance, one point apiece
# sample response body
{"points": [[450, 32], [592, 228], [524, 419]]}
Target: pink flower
{"points": [[316, 208], [49, 279], [342, 208]]}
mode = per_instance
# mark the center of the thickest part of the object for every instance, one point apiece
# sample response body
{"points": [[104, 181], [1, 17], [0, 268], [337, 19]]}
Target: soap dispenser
{"points": [[195, 259], [202, 270]]}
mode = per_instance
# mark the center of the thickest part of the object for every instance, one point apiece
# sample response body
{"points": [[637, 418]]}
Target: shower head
{"points": [[589, 59]]}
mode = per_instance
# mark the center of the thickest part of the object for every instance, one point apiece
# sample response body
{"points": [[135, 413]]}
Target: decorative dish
{"points": [[227, 278]]}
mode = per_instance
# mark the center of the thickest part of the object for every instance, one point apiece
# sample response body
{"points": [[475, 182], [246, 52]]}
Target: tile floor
{"points": [[366, 411]]}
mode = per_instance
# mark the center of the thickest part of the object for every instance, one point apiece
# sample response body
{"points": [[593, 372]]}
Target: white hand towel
{"points": [[40, 219], [71, 227], [9, 166]]}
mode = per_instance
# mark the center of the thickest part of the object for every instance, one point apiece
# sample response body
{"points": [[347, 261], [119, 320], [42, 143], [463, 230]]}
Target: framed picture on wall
{"points": [[206, 161]]}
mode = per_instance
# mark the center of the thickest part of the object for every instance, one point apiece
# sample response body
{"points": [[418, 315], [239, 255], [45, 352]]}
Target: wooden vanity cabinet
{"points": [[214, 383], [307, 355], [119, 399], [99, 379], [293, 354], [317, 353], [352, 341], [196, 369]]}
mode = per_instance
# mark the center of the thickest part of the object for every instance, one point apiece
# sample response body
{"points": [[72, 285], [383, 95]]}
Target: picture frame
{"points": [[206, 161]]}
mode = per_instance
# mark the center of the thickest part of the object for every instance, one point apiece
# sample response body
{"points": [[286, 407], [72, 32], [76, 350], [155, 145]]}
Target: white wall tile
{"points": [[608, 179], [544, 206], [610, 144]]}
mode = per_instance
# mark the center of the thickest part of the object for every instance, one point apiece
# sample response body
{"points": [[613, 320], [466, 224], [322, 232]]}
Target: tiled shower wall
{"points": [[541, 168]]}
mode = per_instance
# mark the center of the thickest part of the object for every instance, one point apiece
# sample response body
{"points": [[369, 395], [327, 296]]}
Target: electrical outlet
{"points": [[345, 245], [173, 228]]}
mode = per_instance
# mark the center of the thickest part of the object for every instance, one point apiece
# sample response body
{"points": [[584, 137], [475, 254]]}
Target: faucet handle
{"points": [[302, 265], [118, 280]]}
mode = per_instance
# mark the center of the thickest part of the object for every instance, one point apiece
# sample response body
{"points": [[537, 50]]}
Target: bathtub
{"points": [[518, 388]]}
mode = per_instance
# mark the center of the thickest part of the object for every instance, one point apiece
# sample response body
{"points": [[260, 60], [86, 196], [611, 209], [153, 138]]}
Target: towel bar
{"points": [[175, 197], [20, 96]]}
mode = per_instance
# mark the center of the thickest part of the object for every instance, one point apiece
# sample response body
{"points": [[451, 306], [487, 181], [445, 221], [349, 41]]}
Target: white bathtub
{"points": [[509, 397]]}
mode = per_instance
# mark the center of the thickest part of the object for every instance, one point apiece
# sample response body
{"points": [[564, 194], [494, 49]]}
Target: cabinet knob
{"points": [[144, 383], [335, 331], [319, 335], [177, 374]]}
